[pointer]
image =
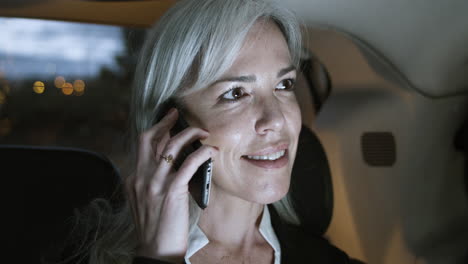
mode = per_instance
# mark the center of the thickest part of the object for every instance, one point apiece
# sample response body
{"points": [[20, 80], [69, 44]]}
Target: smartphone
{"points": [[200, 184]]}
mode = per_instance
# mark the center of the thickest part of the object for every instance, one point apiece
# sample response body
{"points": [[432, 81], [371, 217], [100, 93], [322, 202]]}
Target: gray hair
{"points": [[190, 47], [193, 44]]}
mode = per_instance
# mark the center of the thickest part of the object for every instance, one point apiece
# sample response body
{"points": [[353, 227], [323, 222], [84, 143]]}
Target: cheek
{"points": [[293, 116], [230, 134], [226, 132], [227, 137]]}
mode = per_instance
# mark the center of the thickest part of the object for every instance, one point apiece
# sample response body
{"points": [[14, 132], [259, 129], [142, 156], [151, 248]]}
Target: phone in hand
{"points": [[200, 184]]}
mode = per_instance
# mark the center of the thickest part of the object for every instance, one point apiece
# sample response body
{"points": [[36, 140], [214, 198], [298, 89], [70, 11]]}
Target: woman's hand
{"points": [[158, 194]]}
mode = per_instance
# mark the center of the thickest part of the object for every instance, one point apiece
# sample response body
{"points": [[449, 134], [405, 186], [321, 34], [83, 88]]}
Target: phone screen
{"points": [[200, 184]]}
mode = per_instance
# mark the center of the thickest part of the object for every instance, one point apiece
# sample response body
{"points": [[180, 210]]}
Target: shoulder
{"points": [[298, 245]]}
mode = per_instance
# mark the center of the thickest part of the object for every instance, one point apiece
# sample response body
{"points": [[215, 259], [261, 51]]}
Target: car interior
{"points": [[381, 168]]}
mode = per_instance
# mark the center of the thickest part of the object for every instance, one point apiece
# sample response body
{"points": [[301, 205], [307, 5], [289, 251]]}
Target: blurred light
{"points": [[79, 86], [39, 87], [67, 89], [6, 89], [59, 82], [2, 98], [5, 127]]}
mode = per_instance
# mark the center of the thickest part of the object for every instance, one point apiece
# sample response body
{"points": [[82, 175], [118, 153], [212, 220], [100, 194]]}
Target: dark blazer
{"points": [[296, 246]]}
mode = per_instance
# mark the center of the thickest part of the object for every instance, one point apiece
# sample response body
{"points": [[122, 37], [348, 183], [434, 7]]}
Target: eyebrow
{"points": [[286, 70], [252, 78]]}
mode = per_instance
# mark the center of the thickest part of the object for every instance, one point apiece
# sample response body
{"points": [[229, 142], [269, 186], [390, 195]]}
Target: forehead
{"points": [[264, 47], [263, 54]]}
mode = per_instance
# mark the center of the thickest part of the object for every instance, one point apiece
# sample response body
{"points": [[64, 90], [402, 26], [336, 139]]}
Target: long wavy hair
{"points": [[191, 46]]}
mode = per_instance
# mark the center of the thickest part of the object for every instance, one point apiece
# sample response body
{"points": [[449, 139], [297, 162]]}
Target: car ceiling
{"points": [[140, 13], [424, 41]]}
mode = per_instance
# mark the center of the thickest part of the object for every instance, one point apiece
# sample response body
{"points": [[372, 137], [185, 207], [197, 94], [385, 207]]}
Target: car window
{"points": [[66, 84]]}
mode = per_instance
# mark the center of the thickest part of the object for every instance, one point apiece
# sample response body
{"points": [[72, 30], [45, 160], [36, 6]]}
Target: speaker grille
{"points": [[378, 149]]}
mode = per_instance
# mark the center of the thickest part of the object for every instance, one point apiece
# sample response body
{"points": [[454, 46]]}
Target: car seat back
{"points": [[41, 188]]}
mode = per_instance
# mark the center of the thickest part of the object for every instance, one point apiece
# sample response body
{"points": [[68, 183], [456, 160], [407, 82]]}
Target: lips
{"points": [[272, 156], [269, 164], [269, 158]]}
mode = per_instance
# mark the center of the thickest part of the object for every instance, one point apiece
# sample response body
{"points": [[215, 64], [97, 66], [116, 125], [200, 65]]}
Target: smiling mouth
{"points": [[272, 156], [273, 160]]}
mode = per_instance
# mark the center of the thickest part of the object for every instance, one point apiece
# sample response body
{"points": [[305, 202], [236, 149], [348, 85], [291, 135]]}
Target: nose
{"points": [[270, 117]]}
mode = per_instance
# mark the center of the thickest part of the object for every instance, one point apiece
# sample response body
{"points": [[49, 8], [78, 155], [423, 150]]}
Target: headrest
{"points": [[311, 187], [41, 188]]}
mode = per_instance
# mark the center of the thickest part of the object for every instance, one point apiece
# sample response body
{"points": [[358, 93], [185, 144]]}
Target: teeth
{"points": [[272, 156]]}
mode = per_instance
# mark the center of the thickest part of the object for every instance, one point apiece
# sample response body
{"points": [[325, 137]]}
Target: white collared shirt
{"points": [[197, 239]]}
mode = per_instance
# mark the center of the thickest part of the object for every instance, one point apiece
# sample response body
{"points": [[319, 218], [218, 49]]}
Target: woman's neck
{"points": [[231, 221]]}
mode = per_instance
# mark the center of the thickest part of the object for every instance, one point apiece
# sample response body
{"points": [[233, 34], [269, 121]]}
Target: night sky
{"points": [[31, 47]]}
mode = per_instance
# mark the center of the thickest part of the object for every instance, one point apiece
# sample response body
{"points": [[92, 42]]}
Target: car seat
{"points": [[41, 188], [44, 185], [311, 187]]}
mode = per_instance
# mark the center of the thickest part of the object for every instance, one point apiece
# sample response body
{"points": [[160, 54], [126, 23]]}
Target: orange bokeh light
{"points": [[59, 82], [79, 86], [39, 87], [67, 89]]}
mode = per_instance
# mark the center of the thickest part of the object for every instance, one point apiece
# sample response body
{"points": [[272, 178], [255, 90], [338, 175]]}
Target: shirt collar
{"points": [[266, 229], [197, 239]]}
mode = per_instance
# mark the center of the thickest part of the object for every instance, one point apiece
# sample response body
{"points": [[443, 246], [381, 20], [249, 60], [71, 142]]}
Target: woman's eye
{"points": [[286, 85], [233, 94]]}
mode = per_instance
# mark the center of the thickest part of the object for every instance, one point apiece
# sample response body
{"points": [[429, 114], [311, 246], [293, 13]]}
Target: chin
{"points": [[270, 193]]}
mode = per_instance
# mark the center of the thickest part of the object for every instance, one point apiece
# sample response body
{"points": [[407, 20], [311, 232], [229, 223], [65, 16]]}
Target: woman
{"points": [[231, 67]]}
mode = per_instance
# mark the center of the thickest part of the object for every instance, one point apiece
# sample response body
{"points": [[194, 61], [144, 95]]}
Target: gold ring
{"points": [[169, 159]]}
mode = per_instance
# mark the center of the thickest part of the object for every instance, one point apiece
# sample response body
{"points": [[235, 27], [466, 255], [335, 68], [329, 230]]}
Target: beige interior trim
{"points": [[126, 13], [414, 210], [424, 39]]}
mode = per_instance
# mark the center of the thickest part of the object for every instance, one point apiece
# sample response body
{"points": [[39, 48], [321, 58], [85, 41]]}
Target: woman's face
{"points": [[253, 118]]}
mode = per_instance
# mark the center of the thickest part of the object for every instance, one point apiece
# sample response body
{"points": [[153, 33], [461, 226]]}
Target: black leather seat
{"points": [[311, 185], [461, 144], [43, 185], [41, 188]]}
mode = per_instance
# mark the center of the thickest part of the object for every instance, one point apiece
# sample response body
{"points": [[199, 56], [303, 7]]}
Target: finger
{"points": [[192, 163], [161, 178], [165, 121], [159, 146], [146, 140], [178, 142]]}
